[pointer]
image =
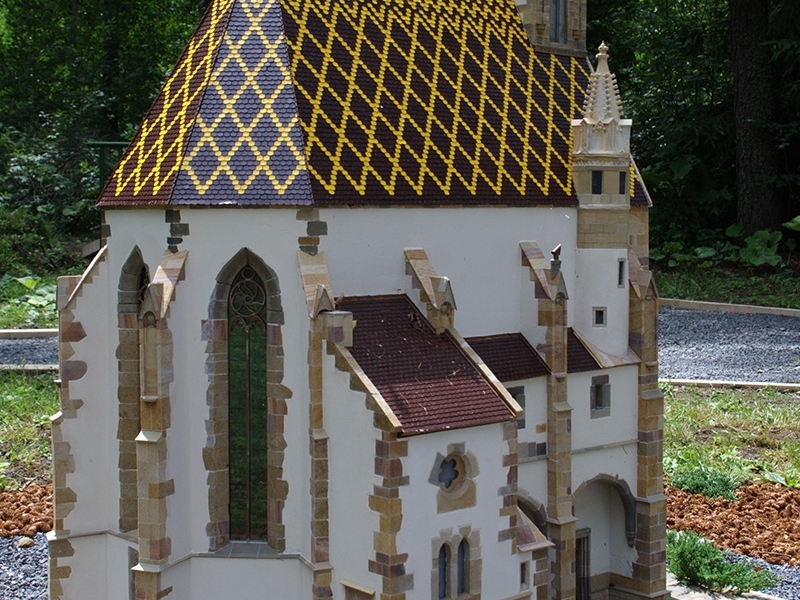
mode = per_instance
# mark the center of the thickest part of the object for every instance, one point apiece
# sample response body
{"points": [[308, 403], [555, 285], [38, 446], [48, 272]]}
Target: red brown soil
{"points": [[764, 520], [26, 511]]}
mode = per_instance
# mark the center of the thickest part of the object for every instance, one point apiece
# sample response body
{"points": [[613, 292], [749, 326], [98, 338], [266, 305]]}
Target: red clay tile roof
{"points": [[509, 356], [426, 379], [340, 102], [579, 359]]}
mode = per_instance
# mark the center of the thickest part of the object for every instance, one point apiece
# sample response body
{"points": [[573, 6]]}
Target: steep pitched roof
{"points": [[509, 356], [341, 102], [428, 382]]}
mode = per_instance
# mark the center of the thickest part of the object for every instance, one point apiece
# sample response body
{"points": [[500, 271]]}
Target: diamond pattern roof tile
{"points": [[339, 102], [425, 378]]}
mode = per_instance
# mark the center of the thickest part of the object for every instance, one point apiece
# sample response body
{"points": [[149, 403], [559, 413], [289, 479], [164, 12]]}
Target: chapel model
{"points": [[372, 318]]}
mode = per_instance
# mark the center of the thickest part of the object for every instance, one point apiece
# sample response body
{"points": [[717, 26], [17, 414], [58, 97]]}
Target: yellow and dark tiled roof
{"points": [[356, 102]]}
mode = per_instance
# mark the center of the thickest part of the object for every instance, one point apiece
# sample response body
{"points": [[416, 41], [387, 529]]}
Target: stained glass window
{"points": [[247, 406]]}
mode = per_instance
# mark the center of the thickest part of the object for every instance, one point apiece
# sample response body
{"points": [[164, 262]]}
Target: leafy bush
{"points": [[27, 302], [710, 483], [762, 248], [695, 560]]}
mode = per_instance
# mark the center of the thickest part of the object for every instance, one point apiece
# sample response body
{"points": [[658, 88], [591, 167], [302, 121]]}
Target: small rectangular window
{"points": [[597, 182], [599, 316], [518, 393], [621, 273], [600, 397], [558, 21], [623, 183], [524, 576]]}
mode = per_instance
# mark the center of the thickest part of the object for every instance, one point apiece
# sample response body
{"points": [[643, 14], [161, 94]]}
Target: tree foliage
{"points": [[72, 71], [673, 62]]}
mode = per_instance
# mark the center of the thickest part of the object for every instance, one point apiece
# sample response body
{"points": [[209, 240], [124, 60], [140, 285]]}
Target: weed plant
{"points": [[696, 561], [26, 403], [730, 437], [27, 302]]}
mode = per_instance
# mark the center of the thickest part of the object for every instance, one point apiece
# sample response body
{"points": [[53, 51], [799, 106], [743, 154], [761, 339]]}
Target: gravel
{"points": [[723, 346], [31, 351], [23, 571], [692, 345]]}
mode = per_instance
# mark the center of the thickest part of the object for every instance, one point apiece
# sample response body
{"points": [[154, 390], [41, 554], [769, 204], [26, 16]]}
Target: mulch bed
{"points": [[763, 522], [26, 511]]}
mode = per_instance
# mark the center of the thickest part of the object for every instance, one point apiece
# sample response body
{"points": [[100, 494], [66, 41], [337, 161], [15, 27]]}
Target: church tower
{"points": [[559, 25]]}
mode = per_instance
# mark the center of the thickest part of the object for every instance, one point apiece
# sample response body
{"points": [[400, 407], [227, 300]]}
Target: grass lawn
{"points": [[26, 403], [734, 285], [748, 435]]}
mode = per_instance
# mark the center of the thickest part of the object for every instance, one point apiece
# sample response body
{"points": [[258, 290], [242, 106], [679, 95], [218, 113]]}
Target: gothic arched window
{"points": [[247, 406]]}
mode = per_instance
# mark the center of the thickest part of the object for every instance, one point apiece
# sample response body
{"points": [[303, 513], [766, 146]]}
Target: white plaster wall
{"points": [[215, 236], [477, 248], [500, 568], [90, 575], [211, 578], [532, 480], [619, 462], [92, 435], [535, 408], [621, 425], [599, 507], [595, 285], [145, 228], [351, 464]]}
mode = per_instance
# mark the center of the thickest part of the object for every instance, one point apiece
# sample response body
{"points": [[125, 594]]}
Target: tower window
{"points": [[623, 183], [621, 273], [558, 21], [597, 182], [599, 316]]}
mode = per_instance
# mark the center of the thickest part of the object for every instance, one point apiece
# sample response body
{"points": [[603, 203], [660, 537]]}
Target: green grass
{"points": [[729, 285], [26, 403], [746, 435]]}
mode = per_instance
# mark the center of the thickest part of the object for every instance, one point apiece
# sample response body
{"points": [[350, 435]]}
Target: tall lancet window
{"points": [[558, 21], [247, 406]]}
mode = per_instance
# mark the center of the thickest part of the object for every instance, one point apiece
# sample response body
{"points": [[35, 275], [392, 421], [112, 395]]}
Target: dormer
{"points": [[601, 154], [555, 25]]}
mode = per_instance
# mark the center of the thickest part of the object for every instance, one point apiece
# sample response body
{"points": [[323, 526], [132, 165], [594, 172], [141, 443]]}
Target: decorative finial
{"points": [[556, 252]]}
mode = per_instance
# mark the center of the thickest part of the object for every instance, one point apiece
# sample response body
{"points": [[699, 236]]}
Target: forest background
{"points": [[712, 86]]}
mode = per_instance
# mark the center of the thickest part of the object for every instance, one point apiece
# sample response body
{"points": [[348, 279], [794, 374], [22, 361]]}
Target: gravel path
{"points": [[723, 346], [31, 351], [692, 345]]}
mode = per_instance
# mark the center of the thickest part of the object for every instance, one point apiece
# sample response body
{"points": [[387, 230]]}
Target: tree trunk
{"points": [[757, 159]]}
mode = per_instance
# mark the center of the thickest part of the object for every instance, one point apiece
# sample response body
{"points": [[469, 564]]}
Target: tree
{"points": [[757, 164]]}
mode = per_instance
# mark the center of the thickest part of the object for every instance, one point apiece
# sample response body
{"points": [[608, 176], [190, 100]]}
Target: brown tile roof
{"points": [[340, 102], [579, 359], [509, 356], [426, 379]]}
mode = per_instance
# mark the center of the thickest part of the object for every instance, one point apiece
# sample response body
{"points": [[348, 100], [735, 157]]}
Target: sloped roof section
{"points": [[579, 358], [358, 102], [509, 356], [429, 384]]}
